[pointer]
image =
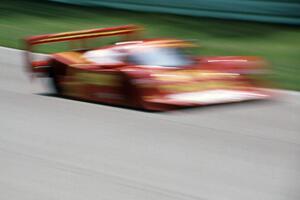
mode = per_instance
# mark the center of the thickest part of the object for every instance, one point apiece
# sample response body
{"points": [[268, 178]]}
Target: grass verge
{"points": [[278, 44]]}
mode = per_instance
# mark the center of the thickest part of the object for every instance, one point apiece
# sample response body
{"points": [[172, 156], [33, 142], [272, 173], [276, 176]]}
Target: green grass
{"points": [[278, 44]]}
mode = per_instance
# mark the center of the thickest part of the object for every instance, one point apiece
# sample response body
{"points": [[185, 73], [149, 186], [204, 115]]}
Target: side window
{"points": [[104, 56]]}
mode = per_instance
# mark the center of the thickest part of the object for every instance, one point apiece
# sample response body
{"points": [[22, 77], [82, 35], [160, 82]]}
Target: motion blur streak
{"points": [[53, 148]]}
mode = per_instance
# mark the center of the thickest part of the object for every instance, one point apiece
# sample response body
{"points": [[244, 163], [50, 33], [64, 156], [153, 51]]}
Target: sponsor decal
{"points": [[71, 88], [198, 86], [99, 79], [189, 75]]}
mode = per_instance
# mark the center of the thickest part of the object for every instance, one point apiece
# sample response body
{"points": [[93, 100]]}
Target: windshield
{"points": [[169, 57]]}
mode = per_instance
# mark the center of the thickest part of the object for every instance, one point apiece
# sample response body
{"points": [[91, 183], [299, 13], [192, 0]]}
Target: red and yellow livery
{"points": [[153, 74]]}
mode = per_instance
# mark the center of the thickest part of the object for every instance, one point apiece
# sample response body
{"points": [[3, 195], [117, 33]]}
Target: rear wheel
{"points": [[56, 71], [55, 81]]}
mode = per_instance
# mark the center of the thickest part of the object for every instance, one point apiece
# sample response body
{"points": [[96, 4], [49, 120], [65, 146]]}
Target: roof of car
{"points": [[108, 54]]}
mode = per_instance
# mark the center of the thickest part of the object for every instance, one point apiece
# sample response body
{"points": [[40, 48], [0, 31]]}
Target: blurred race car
{"points": [[152, 74]]}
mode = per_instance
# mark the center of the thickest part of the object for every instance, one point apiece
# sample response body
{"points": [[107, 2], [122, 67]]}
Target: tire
{"points": [[55, 81], [55, 71]]}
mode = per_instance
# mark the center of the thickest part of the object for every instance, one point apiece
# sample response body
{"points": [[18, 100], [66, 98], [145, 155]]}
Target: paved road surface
{"points": [[59, 149]]}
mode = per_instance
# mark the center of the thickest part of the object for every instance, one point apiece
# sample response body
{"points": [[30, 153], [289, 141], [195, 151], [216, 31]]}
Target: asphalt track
{"points": [[59, 149]]}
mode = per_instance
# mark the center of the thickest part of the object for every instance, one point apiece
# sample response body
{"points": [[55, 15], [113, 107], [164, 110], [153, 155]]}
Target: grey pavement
{"points": [[60, 149]]}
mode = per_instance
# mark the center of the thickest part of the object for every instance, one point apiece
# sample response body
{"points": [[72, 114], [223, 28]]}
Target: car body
{"points": [[152, 74]]}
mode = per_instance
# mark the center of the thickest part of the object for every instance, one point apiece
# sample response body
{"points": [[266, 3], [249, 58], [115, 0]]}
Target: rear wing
{"points": [[130, 31]]}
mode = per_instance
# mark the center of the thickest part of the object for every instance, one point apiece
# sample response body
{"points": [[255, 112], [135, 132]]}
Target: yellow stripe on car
{"points": [[98, 79]]}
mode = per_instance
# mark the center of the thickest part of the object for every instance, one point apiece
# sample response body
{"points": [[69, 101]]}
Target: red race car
{"points": [[152, 74]]}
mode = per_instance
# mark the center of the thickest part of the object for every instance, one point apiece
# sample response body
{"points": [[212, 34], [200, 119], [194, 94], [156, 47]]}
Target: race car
{"points": [[151, 74]]}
